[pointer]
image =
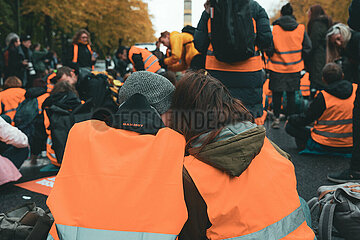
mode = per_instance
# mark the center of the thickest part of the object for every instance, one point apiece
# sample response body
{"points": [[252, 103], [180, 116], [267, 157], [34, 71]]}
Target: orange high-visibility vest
{"points": [[288, 50], [334, 128], [76, 53], [262, 203], [118, 184], [10, 100], [50, 153], [41, 100], [252, 64], [151, 62], [305, 85], [49, 84]]}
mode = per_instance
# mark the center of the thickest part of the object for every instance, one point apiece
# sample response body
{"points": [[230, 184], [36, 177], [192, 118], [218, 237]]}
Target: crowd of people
{"points": [[194, 161]]}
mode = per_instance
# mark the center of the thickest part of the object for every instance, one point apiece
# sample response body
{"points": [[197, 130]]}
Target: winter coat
{"points": [[317, 57], [342, 89], [84, 57], [182, 50], [241, 141], [246, 86], [288, 81], [354, 16], [12, 135], [351, 58], [14, 57], [38, 60]]}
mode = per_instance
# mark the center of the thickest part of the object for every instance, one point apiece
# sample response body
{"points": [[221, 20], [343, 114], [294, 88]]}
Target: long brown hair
{"points": [[76, 37], [316, 12], [202, 104]]}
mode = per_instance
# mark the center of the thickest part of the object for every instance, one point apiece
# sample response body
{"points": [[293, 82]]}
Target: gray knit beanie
{"points": [[157, 89]]}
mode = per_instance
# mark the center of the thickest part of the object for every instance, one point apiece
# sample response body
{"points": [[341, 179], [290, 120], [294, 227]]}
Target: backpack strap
{"points": [[326, 221], [313, 204]]}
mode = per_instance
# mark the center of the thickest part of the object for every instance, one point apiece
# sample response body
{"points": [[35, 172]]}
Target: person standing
{"points": [[28, 56], [352, 49], [244, 78], [318, 26], [81, 55], [14, 60], [285, 63]]}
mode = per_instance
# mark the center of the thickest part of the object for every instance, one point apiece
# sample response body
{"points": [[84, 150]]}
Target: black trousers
{"points": [[355, 160], [290, 107]]}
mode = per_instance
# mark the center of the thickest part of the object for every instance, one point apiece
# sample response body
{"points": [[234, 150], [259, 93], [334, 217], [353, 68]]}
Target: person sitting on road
{"points": [[232, 164], [131, 166], [183, 52], [11, 97], [332, 112]]}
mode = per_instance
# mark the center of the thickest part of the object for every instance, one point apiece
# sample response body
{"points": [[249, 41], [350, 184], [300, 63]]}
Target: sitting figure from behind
{"points": [[332, 112]]}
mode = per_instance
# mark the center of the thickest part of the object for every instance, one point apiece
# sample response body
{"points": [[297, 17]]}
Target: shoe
{"points": [[344, 176], [276, 123]]}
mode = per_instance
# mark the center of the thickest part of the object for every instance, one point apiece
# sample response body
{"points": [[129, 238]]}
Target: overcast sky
{"points": [[169, 14]]}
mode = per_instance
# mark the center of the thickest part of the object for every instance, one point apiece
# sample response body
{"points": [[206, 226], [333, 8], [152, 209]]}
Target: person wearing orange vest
{"points": [[138, 185], [285, 62], [81, 55], [143, 60], [305, 85], [332, 112], [237, 183], [183, 52], [50, 81], [11, 97], [244, 79]]}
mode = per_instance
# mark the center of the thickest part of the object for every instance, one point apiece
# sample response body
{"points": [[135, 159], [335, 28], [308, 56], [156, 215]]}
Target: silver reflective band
{"points": [[279, 229], [49, 237], [335, 122], [152, 63], [333, 135], [148, 59], [286, 64], [49, 141], [79, 233], [11, 110]]}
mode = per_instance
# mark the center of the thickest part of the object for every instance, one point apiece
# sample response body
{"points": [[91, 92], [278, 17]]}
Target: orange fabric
{"points": [[336, 109], [138, 185], [288, 50], [250, 65], [262, 195], [151, 62], [41, 100], [50, 85], [53, 232], [76, 53], [42, 185], [50, 153], [10, 100], [305, 85]]}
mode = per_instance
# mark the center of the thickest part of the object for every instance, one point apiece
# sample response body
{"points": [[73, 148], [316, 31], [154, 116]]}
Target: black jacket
{"points": [[354, 16], [342, 89], [263, 36], [351, 58], [317, 58], [84, 57]]}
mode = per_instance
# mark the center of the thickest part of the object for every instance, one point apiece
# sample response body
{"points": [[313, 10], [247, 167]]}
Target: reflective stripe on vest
{"points": [[139, 186], [305, 85], [334, 127], [68, 232], [288, 50], [151, 62], [236, 206], [252, 64]]}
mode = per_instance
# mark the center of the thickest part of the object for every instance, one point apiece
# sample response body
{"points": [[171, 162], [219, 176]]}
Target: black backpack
{"points": [[25, 116], [232, 30], [189, 29], [61, 121]]}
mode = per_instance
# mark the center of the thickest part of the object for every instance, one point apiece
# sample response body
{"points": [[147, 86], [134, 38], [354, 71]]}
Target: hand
{"points": [[25, 62], [93, 58], [207, 6]]}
